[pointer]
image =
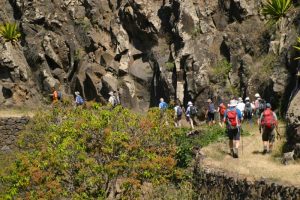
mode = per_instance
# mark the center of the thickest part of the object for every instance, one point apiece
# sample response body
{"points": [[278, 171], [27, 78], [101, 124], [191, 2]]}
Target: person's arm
{"points": [[276, 119]]}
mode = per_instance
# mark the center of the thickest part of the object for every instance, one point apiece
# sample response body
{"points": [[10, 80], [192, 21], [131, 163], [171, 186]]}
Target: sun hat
{"points": [[209, 101], [247, 99], [111, 93], [190, 103], [232, 103], [257, 95], [77, 93], [268, 105]]}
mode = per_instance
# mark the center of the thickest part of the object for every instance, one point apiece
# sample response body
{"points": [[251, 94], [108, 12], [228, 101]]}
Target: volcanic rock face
{"points": [[146, 49]]}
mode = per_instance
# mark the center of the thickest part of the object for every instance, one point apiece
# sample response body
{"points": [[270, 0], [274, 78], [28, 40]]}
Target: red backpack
{"points": [[268, 120], [232, 119]]}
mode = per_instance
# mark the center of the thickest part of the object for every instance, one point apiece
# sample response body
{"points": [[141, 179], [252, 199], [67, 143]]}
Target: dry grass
{"points": [[251, 162]]}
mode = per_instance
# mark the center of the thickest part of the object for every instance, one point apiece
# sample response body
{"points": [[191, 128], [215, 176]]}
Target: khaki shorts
{"points": [[268, 135]]}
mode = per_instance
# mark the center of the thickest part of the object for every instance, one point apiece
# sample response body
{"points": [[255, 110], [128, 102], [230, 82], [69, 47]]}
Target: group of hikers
{"points": [[232, 115]]}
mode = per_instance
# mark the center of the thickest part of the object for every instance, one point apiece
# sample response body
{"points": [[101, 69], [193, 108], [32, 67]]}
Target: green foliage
{"points": [[196, 31], [170, 66], [10, 32], [186, 145], [221, 70], [276, 9], [297, 47], [80, 153]]}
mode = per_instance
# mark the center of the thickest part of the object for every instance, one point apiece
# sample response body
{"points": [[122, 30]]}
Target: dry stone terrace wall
{"points": [[9, 130], [211, 184]]}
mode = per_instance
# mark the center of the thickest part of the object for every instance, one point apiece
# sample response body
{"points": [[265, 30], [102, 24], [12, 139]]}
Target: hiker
{"points": [[54, 95], [191, 113], [78, 99], [233, 118], [116, 98], [210, 112], [178, 113], [162, 105], [111, 99], [221, 110], [268, 122], [248, 110], [241, 105], [256, 104]]}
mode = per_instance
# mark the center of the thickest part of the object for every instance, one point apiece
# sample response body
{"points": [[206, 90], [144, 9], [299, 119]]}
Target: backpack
{"points": [[232, 120], [80, 100], [164, 105], [59, 95], [193, 110], [248, 109], [262, 105], [268, 120], [179, 111]]}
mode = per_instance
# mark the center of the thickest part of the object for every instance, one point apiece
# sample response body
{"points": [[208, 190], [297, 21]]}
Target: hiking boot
{"points": [[235, 153], [265, 151], [231, 152]]}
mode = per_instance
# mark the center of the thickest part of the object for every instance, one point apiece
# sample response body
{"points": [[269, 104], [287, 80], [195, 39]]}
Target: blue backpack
{"points": [[80, 100]]}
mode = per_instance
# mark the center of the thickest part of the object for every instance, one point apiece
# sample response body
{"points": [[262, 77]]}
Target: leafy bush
{"points": [[276, 9], [81, 154], [186, 145], [10, 32]]}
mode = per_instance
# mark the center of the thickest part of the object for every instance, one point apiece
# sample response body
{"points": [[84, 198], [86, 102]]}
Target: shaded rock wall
{"points": [[215, 184], [146, 49], [9, 131]]}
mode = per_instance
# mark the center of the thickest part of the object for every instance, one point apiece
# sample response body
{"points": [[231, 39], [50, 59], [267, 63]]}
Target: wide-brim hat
{"points": [[232, 103], [111, 93], [257, 95], [209, 101], [247, 99], [77, 93], [190, 103]]}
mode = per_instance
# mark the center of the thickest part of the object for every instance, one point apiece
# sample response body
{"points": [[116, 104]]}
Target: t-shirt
{"points": [[241, 106], [211, 108], [163, 105]]}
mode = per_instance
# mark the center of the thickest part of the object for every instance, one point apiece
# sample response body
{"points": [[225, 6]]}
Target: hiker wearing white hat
{"points": [[111, 99], [78, 99], [191, 113], [248, 110], [233, 118], [241, 105]]}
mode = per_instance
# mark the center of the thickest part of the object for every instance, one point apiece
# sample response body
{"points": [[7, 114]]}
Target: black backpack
{"points": [[248, 109], [193, 110], [262, 105]]}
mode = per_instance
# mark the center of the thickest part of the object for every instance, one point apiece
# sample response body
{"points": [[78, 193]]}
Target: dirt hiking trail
{"points": [[251, 162]]}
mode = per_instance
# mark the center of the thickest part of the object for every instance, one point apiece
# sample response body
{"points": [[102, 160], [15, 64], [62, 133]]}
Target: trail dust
{"points": [[251, 162]]}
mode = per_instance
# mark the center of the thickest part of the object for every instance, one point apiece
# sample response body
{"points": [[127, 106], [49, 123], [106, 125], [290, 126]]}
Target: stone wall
{"points": [[215, 184], [9, 131]]}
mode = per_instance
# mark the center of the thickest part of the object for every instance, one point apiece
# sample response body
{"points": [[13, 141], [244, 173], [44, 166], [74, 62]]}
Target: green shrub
{"points": [[276, 9], [10, 32], [170, 66], [221, 71], [79, 153]]}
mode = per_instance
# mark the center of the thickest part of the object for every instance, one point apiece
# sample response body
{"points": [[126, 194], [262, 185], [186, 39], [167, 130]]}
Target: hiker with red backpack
{"points": [[268, 122], [232, 119]]}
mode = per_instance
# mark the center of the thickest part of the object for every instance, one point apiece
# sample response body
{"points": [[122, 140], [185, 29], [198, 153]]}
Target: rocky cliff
{"points": [[147, 50]]}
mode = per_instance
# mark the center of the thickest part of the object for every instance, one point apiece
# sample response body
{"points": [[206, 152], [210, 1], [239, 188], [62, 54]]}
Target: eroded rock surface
{"points": [[146, 49]]}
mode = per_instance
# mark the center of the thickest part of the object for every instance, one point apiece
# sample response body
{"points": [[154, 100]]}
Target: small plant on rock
{"points": [[170, 66], [276, 9], [10, 32]]}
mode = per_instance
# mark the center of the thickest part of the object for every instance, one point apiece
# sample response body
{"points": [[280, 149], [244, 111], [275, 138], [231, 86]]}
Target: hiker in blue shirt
{"points": [[78, 99], [232, 119], [162, 105]]}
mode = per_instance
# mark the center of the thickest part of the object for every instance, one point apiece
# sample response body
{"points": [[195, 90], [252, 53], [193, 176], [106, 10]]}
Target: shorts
{"points": [[211, 117], [268, 135], [234, 134]]}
